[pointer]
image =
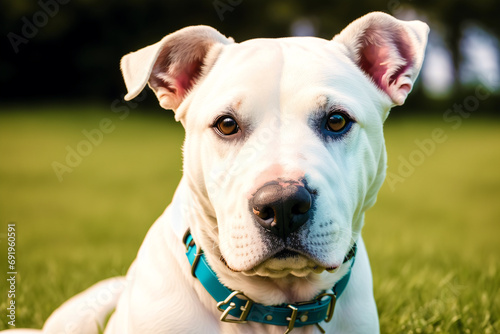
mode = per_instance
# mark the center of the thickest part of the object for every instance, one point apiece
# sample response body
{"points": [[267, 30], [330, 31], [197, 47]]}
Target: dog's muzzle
{"points": [[281, 208]]}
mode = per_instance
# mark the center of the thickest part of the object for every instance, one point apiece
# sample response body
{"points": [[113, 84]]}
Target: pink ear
{"points": [[388, 50], [171, 79], [172, 66]]}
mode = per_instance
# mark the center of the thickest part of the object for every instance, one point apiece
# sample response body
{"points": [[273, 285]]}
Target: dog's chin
{"points": [[287, 264]]}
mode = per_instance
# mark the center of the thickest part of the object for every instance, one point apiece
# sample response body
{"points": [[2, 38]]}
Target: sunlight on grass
{"points": [[433, 238]]}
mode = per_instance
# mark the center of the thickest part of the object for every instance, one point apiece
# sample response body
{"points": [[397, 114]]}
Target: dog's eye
{"points": [[337, 122], [226, 126]]}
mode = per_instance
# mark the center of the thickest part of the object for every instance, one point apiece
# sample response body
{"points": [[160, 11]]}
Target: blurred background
{"points": [[70, 49], [83, 174]]}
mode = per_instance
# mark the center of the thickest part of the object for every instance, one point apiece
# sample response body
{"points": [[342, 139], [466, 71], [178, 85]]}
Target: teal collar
{"points": [[243, 309]]}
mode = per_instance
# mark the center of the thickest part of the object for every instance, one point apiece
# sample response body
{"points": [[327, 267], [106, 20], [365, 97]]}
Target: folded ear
{"points": [[388, 50], [173, 65]]}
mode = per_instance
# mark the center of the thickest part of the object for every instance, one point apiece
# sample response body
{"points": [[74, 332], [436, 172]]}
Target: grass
{"points": [[433, 237]]}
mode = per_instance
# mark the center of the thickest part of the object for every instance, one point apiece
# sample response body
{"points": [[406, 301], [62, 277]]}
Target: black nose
{"points": [[281, 209]]}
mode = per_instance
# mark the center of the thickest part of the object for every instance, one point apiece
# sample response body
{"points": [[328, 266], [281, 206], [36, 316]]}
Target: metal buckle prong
{"points": [[320, 328], [185, 236], [245, 309], [293, 317], [184, 239], [197, 257]]}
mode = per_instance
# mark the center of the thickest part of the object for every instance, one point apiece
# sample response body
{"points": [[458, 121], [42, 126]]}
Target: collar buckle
{"points": [[185, 237], [197, 258], [295, 310], [232, 305], [331, 305], [198, 254]]}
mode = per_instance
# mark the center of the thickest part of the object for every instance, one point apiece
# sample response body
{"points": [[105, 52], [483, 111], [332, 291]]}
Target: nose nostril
{"points": [[301, 207], [264, 213], [281, 210]]}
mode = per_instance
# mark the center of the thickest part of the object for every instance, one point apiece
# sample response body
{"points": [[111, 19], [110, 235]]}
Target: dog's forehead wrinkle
{"points": [[266, 53], [291, 58]]}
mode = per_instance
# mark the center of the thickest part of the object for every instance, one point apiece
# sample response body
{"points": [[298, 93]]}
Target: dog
{"points": [[283, 154]]}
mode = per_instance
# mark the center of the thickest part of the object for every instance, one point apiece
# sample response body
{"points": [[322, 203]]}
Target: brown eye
{"points": [[226, 125], [336, 122]]}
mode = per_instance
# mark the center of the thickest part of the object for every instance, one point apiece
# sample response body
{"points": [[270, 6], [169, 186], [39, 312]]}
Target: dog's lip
{"points": [[288, 262], [285, 262]]}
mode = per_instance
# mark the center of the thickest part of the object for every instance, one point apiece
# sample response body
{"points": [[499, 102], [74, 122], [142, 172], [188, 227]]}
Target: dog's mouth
{"points": [[285, 254], [286, 263]]}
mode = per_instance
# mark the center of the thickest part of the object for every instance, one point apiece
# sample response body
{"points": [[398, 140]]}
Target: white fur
{"points": [[275, 89]]}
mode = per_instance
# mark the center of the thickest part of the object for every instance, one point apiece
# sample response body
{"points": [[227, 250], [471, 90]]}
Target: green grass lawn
{"points": [[433, 236]]}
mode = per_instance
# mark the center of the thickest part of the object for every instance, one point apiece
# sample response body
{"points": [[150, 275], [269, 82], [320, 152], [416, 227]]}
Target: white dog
{"points": [[284, 152]]}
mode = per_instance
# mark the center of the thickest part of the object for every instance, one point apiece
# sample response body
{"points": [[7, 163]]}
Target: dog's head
{"points": [[284, 147]]}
